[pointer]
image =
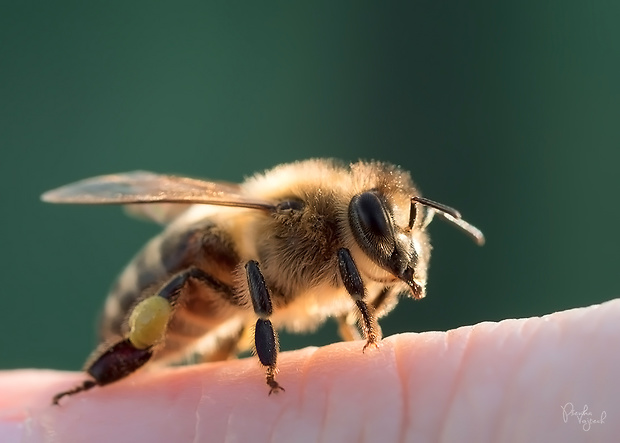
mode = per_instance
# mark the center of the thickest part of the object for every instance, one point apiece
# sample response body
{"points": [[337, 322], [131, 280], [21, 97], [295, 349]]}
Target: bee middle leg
{"points": [[355, 287], [148, 324], [265, 338]]}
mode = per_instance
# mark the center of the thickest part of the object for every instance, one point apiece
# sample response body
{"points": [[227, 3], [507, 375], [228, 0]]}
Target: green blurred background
{"points": [[507, 112]]}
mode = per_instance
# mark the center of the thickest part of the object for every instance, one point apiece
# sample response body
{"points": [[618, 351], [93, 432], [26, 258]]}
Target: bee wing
{"points": [[147, 187], [162, 213]]}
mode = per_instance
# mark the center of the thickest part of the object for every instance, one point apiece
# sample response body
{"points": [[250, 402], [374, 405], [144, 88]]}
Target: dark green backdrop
{"points": [[508, 112]]}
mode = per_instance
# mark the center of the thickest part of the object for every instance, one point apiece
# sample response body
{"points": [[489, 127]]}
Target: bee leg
{"points": [[347, 330], [382, 303], [148, 323], [265, 338], [88, 384], [116, 362], [386, 299], [355, 287], [226, 348]]}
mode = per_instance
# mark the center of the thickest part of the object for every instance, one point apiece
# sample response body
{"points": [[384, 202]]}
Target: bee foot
{"points": [[371, 344], [275, 387], [88, 384]]}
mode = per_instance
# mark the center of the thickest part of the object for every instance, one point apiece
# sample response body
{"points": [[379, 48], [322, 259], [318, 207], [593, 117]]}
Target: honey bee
{"points": [[286, 249]]}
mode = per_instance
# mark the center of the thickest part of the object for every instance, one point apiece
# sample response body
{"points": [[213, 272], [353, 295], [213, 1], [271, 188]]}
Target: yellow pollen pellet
{"points": [[148, 321]]}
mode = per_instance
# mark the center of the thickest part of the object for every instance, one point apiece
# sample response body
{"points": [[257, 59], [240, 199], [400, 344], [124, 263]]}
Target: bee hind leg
{"points": [[265, 338], [148, 323], [114, 363], [88, 384]]}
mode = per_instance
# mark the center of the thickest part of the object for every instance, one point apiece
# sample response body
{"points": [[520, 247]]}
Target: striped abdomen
{"points": [[201, 308]]}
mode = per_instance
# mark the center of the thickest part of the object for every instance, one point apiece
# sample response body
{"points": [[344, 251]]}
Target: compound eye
{"points": [[368, 214]]}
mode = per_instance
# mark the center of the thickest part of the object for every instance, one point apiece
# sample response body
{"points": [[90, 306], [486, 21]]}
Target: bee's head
{"points": [[389, 246], [402, 251]]}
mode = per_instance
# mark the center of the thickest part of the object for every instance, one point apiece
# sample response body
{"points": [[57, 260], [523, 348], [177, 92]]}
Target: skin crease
{"points": [[492, 382]]}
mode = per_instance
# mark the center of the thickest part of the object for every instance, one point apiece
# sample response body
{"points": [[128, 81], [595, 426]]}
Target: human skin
{"points": [[525, 380]]}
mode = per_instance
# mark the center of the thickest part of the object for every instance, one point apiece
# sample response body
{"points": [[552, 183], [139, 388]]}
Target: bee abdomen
{"points": [[144, 271], [201, 245]]}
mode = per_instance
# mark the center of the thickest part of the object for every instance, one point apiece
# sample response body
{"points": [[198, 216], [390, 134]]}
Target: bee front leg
{"points": [[347, 328], [148, 323], [355, 287], [265, 338]]}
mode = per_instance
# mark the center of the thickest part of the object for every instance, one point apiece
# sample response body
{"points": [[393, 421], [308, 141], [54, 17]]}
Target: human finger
{"points": [[506, 381]]}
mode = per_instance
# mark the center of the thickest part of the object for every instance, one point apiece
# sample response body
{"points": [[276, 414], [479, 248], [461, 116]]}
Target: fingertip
{"points": [[413, 387]]}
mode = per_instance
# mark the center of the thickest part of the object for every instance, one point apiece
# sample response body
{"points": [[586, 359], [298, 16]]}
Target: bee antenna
{"points": [[447, 213]]}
